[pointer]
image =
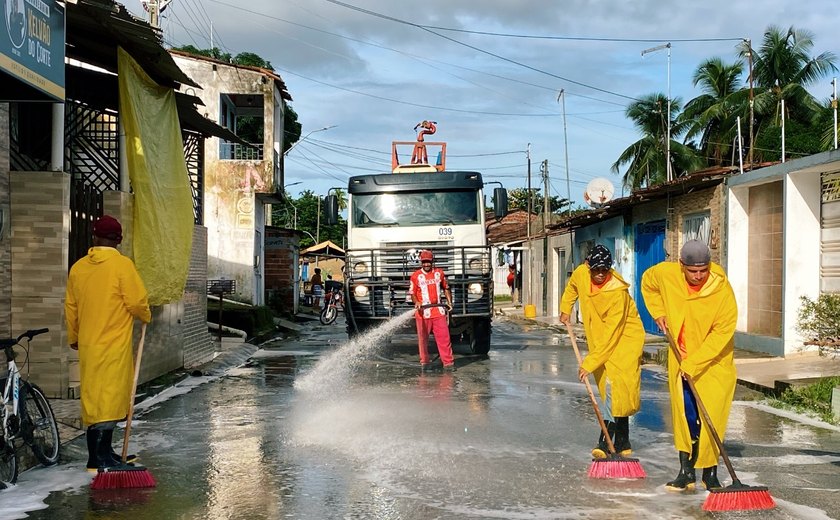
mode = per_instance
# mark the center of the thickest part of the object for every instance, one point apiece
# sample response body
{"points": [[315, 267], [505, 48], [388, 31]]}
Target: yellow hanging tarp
{"points": [[163, 210]]}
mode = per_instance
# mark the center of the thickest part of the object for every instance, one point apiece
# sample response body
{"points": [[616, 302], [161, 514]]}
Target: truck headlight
{"points": [[360, 267], [475, 288], [360, 291]]}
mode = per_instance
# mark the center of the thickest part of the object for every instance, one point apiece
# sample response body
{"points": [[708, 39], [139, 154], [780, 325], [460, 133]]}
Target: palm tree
{"points": [[646, 157], [782, 69], [712, 116]]}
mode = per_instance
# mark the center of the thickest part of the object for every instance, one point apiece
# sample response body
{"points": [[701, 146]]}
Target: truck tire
{"points": [[480, 337]]}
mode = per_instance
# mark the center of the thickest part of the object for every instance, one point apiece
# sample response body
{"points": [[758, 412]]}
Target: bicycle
{"points": [[333, 299], [26, 414]]}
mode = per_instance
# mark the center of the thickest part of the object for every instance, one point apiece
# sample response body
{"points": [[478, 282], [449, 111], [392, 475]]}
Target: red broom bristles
{"points": [[123, 477], [616, 468], [738, 497]]}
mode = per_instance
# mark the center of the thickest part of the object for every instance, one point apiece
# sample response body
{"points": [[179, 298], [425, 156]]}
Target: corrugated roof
{"points": [[96, 27], [281, 85]]}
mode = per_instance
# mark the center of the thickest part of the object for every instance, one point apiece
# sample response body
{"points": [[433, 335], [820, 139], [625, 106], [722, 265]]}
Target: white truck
{"points": [[392, 217]]}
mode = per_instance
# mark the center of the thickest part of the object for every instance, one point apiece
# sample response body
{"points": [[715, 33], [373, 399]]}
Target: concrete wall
{"points": [[234, 213], [281, 268], [611, 234], [198, 346], [5, 243], [801, 181], [39, 257], [801, 274]]}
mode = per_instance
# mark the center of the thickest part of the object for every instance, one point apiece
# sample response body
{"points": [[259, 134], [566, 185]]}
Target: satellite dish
{"points": [[598, 192]]}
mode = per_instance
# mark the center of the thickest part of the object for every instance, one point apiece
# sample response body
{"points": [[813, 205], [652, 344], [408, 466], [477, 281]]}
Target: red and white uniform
{"points": [[428, 288]]}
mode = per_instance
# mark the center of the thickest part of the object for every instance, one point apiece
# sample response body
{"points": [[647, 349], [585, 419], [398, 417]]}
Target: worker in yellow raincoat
{"points": [[694, 301], [615, 338], [104, 296]]}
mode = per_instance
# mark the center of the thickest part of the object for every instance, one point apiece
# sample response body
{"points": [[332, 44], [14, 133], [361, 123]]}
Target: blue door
{"points": [[650, 250]]}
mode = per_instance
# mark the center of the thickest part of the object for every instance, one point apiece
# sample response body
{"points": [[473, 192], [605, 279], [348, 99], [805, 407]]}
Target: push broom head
{"points": [[123, 477], [738, 497], [616, 466]]}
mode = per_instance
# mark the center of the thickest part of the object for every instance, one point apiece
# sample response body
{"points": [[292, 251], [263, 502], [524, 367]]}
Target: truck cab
{"points": [[392, 217]]}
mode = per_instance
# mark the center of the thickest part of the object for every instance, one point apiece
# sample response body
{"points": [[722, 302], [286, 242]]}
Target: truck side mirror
{"points": [[331, 210], [500, 202]]}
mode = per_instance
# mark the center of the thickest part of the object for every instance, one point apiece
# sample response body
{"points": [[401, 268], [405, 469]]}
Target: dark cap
{"points": [[695, 252], [108, 227], [599, 258]]}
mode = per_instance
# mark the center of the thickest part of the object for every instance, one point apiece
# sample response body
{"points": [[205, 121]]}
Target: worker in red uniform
{"points": [[427, 285]]}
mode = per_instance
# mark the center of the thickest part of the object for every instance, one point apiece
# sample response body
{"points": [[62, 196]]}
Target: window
{"points": [[697, 226]]}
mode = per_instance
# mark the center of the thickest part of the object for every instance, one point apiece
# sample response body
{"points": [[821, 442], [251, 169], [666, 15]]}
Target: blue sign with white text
{"points": [[32, 44]]}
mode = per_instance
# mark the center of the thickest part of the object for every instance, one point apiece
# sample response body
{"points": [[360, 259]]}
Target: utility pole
{"points": [[752, 101], [155, 7], [834, 107], [528, 155], [667, 46], [566, 151], [546, 202], [783, 129], [530, 253]]}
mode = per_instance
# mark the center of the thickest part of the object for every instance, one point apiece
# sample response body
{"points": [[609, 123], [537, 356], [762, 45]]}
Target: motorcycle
{"points": [[333, 301]]}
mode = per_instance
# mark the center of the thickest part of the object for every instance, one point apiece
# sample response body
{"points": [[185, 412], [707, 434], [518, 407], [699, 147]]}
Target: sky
{"points": [[370, 70]]}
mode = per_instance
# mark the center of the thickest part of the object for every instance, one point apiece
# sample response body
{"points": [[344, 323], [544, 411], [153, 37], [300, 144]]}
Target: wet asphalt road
{"points": [[316, 428]]}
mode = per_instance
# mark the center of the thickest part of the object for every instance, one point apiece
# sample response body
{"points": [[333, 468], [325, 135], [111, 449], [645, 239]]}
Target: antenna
{"points": [[598, 192]]}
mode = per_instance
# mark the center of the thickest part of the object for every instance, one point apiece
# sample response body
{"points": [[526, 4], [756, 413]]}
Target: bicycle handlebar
{"points": [[29, 334]]}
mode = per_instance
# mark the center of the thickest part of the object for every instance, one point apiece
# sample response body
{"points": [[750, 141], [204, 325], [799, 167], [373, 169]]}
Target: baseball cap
{"points": [[695, 253], [108, 227], [426, 255]]}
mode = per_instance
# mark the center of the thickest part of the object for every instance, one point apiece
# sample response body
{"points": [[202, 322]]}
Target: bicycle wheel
{"points": [[38, 424], [328, 315], [8, 464]]}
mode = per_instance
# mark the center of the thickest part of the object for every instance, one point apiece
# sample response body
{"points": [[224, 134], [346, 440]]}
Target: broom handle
{"points": [[706, 419], [591, 394], [133, 392]]}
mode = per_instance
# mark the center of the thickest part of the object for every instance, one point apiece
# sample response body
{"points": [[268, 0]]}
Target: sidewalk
{"points": [[761, 372], [68, 412]]}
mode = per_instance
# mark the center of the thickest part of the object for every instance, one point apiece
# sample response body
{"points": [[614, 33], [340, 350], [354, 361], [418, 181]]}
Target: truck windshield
{"points": [[415, 209]]}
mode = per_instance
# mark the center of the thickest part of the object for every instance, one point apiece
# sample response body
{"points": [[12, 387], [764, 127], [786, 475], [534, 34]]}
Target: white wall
{"points": [[737, 266], [801, 275]]}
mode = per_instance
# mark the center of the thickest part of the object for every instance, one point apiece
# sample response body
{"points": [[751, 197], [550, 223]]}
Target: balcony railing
{"points": [[240, 152]]}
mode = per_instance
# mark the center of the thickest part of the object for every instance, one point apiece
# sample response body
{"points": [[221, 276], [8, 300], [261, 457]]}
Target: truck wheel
{"points": [[480, 337]]}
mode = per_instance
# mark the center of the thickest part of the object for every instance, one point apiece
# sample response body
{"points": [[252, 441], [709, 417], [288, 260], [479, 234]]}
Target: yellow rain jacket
{"points": [[709, 318], [614, 335], [104, 295]]}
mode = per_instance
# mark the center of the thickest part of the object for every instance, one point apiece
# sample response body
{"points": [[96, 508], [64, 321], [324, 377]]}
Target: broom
{"points": [[614, 466], [127, 476], [737, 496]]}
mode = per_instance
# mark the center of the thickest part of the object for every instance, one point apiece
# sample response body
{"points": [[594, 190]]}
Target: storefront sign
{"points": [[32, 44]]}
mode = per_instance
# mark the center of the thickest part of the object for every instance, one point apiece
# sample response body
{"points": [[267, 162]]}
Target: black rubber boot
{"points": [[622, 437], [109, 440], [686, 477], [602, 450], [710, 479], [99, 451]]}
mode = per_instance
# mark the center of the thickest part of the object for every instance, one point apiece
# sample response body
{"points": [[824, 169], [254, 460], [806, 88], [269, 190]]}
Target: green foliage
{"points": [[248, 59], [819, 320], [307, 206], [800, 139], [518, 199], [291, 127], [815, 398]]}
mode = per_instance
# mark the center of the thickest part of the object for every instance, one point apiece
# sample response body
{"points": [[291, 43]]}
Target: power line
{"points": [[419, 105], [478, 49], [582, 38]]}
